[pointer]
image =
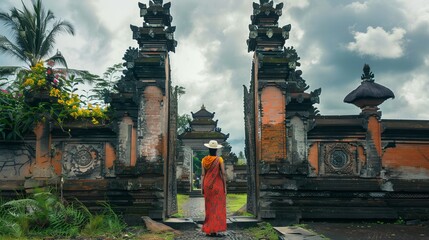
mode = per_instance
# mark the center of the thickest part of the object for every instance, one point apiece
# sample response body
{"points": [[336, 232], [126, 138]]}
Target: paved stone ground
{"points": [[370, 230], [194, 208], [230, 235], [358, 230]]}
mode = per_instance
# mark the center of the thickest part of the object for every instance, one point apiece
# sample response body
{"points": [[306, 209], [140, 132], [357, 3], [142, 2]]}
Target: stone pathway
{"points": [[194, 208], [230, 235]]}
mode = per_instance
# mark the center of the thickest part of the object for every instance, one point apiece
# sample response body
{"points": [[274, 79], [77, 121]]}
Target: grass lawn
{"points": [[181, 200], [236, 204]]}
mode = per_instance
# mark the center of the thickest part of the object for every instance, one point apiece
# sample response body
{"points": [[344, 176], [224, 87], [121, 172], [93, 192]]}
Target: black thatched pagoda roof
{"points": [[369, 90]]}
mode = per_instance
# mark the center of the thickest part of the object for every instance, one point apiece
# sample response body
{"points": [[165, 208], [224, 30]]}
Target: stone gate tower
{"points": [[148, 109], [277, 108]]}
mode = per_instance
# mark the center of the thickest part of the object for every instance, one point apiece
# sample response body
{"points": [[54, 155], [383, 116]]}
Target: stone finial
{"points": [[369, 94], [367, 74]]}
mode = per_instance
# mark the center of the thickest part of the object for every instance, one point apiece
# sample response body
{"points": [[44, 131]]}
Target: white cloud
{"points": [[416, 12], [415, 94], [379, 43], [358, 7], [298, 4]]}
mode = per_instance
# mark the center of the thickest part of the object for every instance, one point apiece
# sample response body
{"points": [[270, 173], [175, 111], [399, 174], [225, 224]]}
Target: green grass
{"points": [[236, 204], [264, 230], [181, 200]]}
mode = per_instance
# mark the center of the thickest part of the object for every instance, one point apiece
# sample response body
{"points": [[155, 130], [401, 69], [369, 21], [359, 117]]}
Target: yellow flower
{"points": [[74, 114], [55, 93], [28, 82], [41, 82], [94, 121]]}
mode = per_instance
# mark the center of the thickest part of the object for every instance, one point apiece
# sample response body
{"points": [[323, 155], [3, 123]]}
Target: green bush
{"points": [[43, 214]]}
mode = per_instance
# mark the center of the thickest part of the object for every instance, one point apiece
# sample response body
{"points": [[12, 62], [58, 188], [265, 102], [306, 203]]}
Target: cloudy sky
{"points": [[334, 38]]}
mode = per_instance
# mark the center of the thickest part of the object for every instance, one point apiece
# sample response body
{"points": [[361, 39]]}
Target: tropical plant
{"points": [[31, 39], [33, 32], [103, 87], [44, 214], [183, 122], [15, 117]]}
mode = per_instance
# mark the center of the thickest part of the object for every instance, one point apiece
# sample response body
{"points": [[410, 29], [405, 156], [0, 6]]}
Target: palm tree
{"points": [[33, 33]]}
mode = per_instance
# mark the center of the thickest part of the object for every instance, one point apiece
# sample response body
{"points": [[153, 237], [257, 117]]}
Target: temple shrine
{"points": [[301, 164], [202, 128]]}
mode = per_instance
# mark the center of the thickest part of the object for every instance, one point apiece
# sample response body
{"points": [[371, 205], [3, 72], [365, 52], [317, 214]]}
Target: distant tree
{"points": [[33, 33], [179, 91], [183, 122], [240, 155]]}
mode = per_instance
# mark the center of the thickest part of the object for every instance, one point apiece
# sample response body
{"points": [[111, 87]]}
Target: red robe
{"points": [[214, 196]]}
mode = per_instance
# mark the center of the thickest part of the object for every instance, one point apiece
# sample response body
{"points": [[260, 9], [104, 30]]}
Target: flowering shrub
{"points": [[61, 102]]}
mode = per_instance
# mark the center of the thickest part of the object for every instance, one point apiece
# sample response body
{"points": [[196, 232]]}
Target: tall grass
{"points": [[105, 223]]}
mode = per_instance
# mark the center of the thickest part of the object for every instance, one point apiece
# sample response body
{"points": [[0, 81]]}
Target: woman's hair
{"points": [[212, 151]]}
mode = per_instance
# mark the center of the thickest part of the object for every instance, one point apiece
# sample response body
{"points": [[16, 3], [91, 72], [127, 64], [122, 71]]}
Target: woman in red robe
{"points": [[213, 179]]}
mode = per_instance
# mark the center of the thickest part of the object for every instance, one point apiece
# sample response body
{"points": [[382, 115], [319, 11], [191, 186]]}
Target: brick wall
{"points": [[273, 129], [152, 117]]}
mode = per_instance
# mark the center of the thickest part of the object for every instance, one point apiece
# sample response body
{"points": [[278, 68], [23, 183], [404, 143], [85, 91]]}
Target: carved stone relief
{"points": [[15, 161], [338, 159], [83, 161]]}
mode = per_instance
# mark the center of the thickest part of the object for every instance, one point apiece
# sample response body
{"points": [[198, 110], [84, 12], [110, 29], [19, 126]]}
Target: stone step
{"points": [[233, 222], [196, 193], [297, 233]]}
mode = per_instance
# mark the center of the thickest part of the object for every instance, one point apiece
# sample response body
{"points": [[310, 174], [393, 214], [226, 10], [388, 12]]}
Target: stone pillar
{"points": [[150, 122], [43, 168], [373, 143], [273, 129], [127, 141]]}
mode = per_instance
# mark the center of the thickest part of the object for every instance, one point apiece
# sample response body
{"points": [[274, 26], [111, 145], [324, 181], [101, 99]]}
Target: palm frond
{"points": [[6, 46], [84, 75], [33, 32], [6, 71], [49, 41]]}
